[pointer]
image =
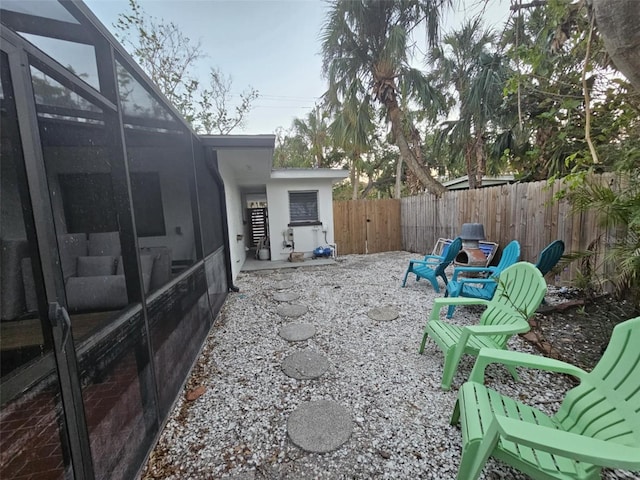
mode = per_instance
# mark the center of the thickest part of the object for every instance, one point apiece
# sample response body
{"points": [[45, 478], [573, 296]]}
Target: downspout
{"points": [[211, 162]]}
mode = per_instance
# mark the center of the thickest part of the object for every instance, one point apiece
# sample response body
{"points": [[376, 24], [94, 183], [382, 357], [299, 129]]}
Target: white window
{"points": [[303, 207]]}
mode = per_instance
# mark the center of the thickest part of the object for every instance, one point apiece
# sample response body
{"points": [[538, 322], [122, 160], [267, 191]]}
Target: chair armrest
{"points": [[472, 270], [497, 329], [486, 356], [477, 280], [567, 444], [428, 263], [438, 303], [433, 258]]}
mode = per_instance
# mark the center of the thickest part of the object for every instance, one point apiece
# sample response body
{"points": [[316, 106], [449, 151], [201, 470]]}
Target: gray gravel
{"points": [[238, 428]]}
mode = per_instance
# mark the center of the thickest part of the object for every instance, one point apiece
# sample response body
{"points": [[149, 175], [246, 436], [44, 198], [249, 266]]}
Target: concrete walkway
{"points": [[251, 264]]}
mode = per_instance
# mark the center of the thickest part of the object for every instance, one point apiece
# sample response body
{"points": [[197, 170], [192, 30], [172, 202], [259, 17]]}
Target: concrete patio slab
{"points": [[305, 365], [320, 426], [253, 265]]}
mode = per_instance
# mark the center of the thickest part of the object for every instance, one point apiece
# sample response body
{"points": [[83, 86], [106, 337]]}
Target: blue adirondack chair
{"points": [[597, 425], [481, 287], [550, 256], [433, 266]]}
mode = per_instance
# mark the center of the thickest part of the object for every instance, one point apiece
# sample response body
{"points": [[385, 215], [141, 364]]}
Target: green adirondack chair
{"points": [[519, 292], [481, 287], [433, 266], [597, 425]]}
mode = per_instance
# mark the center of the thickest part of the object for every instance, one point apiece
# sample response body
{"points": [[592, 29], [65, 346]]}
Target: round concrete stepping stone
{"points": [[297, 332], [292, 311], [321, 426], [283, 285], [383, 314], [305, 365], [285, 296]]}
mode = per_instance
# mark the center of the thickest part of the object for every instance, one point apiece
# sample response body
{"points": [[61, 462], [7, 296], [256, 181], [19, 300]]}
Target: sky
{"points": [[270, 45]]}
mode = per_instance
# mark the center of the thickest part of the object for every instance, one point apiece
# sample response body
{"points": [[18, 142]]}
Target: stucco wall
{"points": [[305, 238], [234, 219]]}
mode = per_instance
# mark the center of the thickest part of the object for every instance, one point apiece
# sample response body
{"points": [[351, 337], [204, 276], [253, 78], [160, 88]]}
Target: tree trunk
{"points": [[470, 164], [619, 25], [481, 160], [354, 180], [412, 157], [398, 188]]}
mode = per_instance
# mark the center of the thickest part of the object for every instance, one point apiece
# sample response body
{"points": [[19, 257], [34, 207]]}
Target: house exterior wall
{"points": [[235, 224], [306, 238]]}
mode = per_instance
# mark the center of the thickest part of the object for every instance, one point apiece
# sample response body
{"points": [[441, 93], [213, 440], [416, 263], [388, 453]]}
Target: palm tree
{"points": [[367, 47], [352, 130], [478, 77], [314, 130]]}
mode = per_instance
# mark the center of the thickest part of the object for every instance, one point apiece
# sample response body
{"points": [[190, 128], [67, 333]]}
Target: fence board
{"points": [[523, 211], [526, 212], [368, 226]]}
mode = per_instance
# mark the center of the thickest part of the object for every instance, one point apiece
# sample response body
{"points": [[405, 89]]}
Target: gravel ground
{"points": [[236, 428]]}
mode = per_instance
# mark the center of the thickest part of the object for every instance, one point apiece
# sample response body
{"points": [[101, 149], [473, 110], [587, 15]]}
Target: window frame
{"points": [[296, 220]]}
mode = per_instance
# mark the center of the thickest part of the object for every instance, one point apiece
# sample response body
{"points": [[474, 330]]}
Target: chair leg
{"points": [[450, 311], [451, 361], [424, 340], [469, 453], [434, 282], [513, 372], [404, 281], [475, 456], [455, 416]]}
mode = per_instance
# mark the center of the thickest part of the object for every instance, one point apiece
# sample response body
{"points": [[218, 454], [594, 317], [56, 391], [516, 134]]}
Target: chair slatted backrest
{"points": [[519, 291], [452, 251], [510, 255], [606, 404], [550, 256]]}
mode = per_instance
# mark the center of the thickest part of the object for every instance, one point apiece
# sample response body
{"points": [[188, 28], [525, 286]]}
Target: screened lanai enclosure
{"points": [[114, 257]]}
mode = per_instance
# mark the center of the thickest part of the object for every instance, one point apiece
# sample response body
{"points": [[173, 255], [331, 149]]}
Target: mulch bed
{"points": [[577, 329]]}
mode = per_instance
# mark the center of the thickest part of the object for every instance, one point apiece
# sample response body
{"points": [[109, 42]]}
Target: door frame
{"points": [[52, 279]]}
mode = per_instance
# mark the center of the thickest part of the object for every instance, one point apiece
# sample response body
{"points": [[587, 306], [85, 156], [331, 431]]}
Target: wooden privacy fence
{"points": [[525, 212], [367, 226]]}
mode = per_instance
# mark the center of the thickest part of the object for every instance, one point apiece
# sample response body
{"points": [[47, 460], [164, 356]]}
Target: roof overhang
{"points": [[238, 141], [247, 158], [335, 175], [462, 183]]}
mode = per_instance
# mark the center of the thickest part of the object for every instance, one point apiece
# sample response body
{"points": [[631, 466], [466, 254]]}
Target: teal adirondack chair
{"points": [[481, 287], [550, 256], [597, 425], [519, 292], [433, 266]]}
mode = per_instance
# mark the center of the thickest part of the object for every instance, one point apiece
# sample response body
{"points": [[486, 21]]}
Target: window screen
{"points": [[147, 204], [303, 207], [87, 199], [89, 206]]}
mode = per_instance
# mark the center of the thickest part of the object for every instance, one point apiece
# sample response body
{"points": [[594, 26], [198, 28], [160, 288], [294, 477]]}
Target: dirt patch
{"points": [[579, 333]]}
